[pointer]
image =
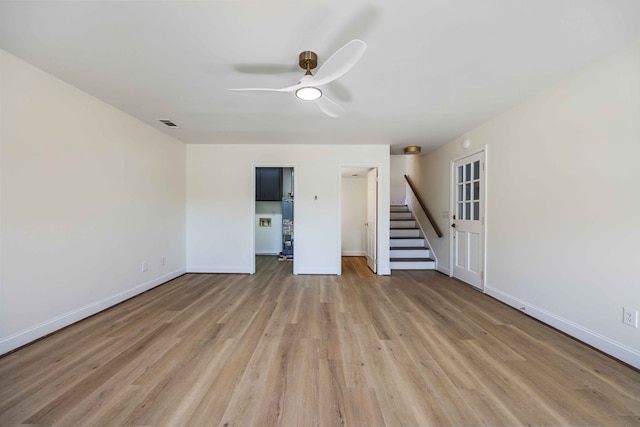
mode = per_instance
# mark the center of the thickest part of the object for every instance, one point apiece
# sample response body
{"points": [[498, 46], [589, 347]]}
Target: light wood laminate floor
{"points": [[413, 349]]}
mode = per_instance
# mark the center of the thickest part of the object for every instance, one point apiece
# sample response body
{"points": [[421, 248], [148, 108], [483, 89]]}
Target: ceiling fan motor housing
{"points": [[308, 60]]}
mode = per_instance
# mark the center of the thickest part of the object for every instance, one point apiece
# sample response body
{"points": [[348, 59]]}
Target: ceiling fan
{"points": [[308, 88]]}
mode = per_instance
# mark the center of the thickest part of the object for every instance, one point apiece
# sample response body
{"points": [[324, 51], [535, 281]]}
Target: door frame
{"points": [[341, 166], [452, 210], [372, 259], [253, 208]]}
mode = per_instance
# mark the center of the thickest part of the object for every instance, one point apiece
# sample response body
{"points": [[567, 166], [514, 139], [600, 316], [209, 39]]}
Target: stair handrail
{"points": [[423, 206]]}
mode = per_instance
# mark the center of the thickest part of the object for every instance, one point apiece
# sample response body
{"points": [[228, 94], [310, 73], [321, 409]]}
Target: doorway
{"points": [[468, 219], [273, 209], [359, 213]]}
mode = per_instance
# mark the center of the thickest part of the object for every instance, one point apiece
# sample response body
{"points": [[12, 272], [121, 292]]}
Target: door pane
{"points": [[468, 172], [476, 211], [460, 192], [461, 250], [476, 190], [467, 192], [476, 169], [473, 243]]}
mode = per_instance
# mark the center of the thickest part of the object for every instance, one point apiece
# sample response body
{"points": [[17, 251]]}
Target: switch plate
{"points": [[630, 317]]}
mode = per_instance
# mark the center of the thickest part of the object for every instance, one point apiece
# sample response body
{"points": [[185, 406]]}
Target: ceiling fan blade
{"points": [[329, 107], [284, 89], [340, 62]]}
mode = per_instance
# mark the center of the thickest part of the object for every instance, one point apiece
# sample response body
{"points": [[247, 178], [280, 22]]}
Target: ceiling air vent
{"points": [[168, 123]]}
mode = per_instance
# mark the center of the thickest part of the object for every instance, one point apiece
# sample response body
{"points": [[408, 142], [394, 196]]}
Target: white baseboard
{"points": [[267, 253], [38, 331], [354, 253], [329, 271], [605, 344], [443, 270], [217, 269], [152, 284]]}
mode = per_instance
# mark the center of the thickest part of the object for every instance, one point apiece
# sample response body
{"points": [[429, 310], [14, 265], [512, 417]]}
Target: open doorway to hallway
{"points": [[274, 215], [359, 213]]}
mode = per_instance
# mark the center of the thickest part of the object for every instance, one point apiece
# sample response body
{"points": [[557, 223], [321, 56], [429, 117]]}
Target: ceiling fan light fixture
{"points": [[308, 93], [412, 149]]}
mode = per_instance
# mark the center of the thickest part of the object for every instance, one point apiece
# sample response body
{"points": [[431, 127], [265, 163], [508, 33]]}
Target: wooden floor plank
{"points": [[414, 348]]}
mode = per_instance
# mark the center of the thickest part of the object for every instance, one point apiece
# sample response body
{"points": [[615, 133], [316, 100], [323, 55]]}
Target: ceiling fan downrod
{"points": [[308, 61]]}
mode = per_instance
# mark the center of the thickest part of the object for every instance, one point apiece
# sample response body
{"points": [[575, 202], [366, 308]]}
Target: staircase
{"points": [[408, 247]]}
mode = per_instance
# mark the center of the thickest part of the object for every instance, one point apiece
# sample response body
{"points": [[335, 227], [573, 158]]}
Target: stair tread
{"points": [[409, 248], [404, 228], [408, 237], [411, 259]]}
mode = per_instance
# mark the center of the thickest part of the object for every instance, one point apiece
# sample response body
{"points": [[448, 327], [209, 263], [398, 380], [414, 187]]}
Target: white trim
{"points": [[601, 342], [222, 269], [45, 328], [354, 253], [267, 253], [443, 270], [485, 170], [339, 248], [329, 271], [452, 212]]}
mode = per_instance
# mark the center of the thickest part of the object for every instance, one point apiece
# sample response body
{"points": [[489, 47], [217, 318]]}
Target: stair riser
{"points": [[411, 232], [401, 215], [403, 224], [418, 243], [405, 265], [399, 209], [409, 253]]}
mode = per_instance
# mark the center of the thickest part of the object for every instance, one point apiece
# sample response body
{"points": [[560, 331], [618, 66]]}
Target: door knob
{"points": [[453, 225]]}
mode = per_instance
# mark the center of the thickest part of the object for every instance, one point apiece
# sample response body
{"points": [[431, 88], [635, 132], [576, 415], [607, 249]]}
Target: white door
{"points": [[372, 218], [468, 220]]}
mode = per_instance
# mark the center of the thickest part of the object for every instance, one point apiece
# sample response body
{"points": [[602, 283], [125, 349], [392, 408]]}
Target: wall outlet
{"points": [[630, 317], [145, 266], [163, 260]]}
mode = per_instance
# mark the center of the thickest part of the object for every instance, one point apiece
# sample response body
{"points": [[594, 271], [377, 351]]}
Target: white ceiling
{"points": [[433, 69]]}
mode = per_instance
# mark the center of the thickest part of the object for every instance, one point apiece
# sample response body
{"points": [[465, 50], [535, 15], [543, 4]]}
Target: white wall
{"points": [[220, 216], [398, 166], [563, 207], [87, 194], [268, 238], [354, 215]]}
